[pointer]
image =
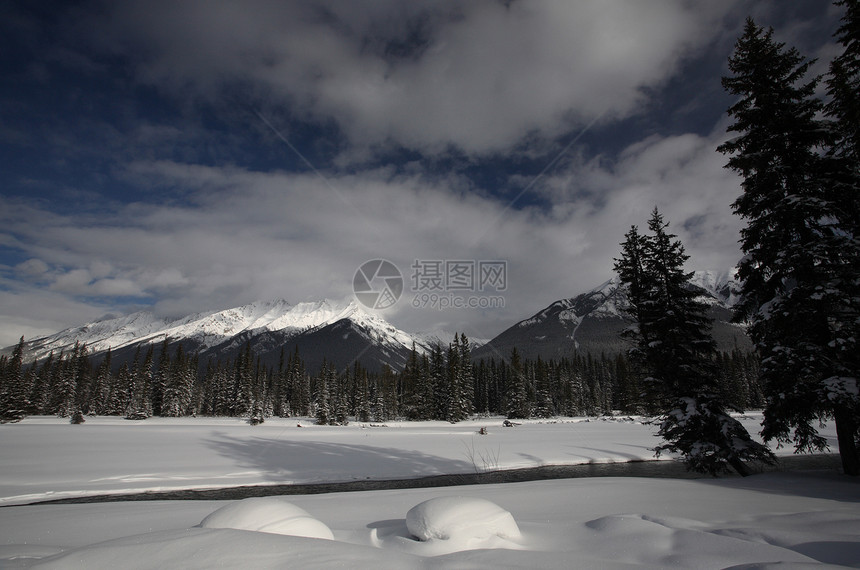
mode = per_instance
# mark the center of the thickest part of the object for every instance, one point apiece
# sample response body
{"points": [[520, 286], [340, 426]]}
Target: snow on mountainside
{"points": [[593, 321], [721, 285], [343, 331], [99, 335], [210, 329]]}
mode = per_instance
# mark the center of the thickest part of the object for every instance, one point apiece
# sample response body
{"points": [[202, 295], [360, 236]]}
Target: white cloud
{"points": [[479, 75], [482, 76], [245, 235]]}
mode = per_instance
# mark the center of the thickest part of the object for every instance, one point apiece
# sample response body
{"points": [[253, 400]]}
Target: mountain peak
{"points": [[218, 332], [593, 321]]}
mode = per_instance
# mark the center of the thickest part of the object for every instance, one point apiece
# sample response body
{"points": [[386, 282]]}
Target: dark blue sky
{"points": [[190, 155]]}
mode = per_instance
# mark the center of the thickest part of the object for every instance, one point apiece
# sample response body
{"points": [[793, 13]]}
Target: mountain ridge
{"points": [[340, 331], [592, 322]]}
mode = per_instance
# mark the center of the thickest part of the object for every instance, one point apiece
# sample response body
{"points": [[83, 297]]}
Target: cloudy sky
{"points": [[198, 155]]}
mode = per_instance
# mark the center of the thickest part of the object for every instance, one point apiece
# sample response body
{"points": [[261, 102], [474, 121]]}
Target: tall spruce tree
{"points": [[14, 390], [458, 404], [323, 397], [518, 405], [675, 354], [799, 280], [843, 110], [632, 273]]}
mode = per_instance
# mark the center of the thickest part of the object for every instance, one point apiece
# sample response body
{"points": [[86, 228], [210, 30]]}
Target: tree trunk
{"points": [[740, 467], [846, 428]]}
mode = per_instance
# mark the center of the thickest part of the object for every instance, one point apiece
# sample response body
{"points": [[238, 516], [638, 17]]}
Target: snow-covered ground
{"points": [[46, 458], [801, 519]]}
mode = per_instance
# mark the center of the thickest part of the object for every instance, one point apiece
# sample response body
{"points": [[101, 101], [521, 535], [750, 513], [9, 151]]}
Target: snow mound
{"points": [[206, 548], [268, 514], [460, 519]]}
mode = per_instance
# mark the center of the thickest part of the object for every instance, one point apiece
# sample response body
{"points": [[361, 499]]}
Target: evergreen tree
{"points": [[102, 386], [632, 272], [64, 385], [438, 382], [323, 408], [281, 391], [363, 412], [300, 386], [40, 396], [413, 391], [458, 404], [120, 394], [518, 405], [676, 352], [14, 391], [843, 88], [139, 398], [543, 404], [799, 271], [425, 391], [83, 379], [680, 346], [843, 110], [161, 378], [243, 397], [145, 381], [482, 388], [340, 415], [180, 383]]}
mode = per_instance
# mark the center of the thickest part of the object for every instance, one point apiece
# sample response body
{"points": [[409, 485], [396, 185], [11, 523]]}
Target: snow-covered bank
{"points": [[797, 520], [46, 458]]}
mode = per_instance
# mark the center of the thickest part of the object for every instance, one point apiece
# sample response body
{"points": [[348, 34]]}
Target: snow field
{"points": [[109, 455], [786, 520]]}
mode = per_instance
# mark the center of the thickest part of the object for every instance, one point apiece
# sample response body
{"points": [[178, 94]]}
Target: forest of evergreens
{"points": [[444, 384]]}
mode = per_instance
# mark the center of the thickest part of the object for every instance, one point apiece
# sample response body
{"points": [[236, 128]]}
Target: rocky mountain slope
{"points": [[593, 322]]}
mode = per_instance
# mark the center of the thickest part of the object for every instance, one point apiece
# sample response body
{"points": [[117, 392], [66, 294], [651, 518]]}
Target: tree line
{"points": [[442, 384]]}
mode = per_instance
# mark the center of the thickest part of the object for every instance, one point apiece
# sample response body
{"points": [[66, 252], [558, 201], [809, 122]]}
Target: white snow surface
{"points": [[464, 520], [275, 515], [111, 455], [785, 519], [214, 327]]}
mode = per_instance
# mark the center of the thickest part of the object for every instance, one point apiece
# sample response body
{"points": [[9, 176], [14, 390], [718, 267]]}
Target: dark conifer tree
{"points": [[518, 404], [363, 411], [799, 287], [843, 109], [41, 394], [120, 393], [323, 397], [83, 379], [14, 392], [161, 378], [64, 386], [412, 392], [458, 404], [675, 353], [438, 382], [102, 383]]}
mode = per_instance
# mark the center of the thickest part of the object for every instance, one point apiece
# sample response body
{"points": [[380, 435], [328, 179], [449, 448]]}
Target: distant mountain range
{"points": [[341, 332], [338, 332], [593, 321]]}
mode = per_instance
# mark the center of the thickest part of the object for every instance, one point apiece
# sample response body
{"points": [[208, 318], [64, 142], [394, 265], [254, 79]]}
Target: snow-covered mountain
{"points": [[593, 322], [341, 332], [337, 328]]}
